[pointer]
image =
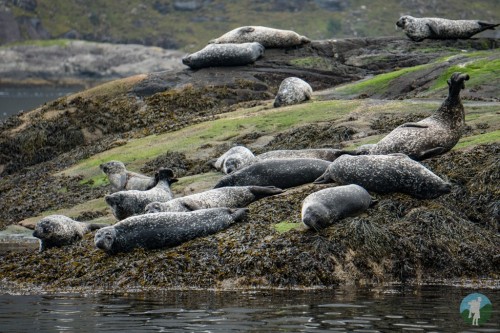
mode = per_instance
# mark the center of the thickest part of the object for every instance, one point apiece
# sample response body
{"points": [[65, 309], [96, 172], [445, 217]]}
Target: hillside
{"points": [[189, 24], [182, 119]]}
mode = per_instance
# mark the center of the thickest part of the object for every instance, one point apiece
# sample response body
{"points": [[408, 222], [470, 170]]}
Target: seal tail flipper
{"points": [[323, 179], [488, 26], [264, 191], [165, 174]]}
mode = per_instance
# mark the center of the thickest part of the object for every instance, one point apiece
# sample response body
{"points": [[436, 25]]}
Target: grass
{"points": [[473, 140], [285, 226]]}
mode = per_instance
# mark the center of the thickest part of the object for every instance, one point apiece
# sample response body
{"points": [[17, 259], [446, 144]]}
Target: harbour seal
{"points": [[292, 90], [433, 135], [268, 37], [122, 179], [326, 207], [234, 159], [128, 203], [418, 29], [230, 197], [386, 174], [327, 154], [215, 55], [164, 230], [282, 173], [60, 230]]}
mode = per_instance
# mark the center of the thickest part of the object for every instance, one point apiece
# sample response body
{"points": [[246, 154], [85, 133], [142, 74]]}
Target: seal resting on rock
{"points": [[433, 135], [327, 154], [268, 37], [292, 90], [164, 230], [282, 173], [386, 174], [326, 207], [234, 159], [60, 230], [418, 29], [122, 179], [216, 55], [230, 197], [128, 203]]}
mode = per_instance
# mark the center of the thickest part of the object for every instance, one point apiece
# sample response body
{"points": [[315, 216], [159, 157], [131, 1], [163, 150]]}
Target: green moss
{"points": [[285, 226], [473, 140]]}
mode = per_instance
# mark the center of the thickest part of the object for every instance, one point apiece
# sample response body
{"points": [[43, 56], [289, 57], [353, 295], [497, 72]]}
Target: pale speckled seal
{"points": [[268, 37], [386, 174], [326, 207], [234, 159], [217, 55], [128, 203], [60, 230], [164, 230], [230, 197], [418, 29], [327, 154], [282, 173], [431, 136], [292, 90], [122, 179]]}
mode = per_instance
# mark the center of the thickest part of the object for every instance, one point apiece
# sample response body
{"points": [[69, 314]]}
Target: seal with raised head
{"points": [[292, 90], [268, 37], [326, 207], [281, 173], [128, 203], [234, 159], [386, 174], [165, 230], [60, 230], [230, 197], [122, 179], [418, 29], [327, 154], [433, 135], [217, 55]]}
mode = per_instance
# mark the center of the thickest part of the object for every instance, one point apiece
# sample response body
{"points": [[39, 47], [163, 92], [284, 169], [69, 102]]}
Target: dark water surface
{"points": [[13, 100], [428, 309]]}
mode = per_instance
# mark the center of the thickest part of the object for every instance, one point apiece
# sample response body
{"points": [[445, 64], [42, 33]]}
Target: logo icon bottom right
{"points": [[475, 309]]}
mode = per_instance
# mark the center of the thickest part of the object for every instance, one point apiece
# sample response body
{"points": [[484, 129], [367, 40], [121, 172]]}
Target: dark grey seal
{"points": [[122, 179], [60, 230], [326, 207], [165, 230], [230, 197], [128, 203], [234, 159], [418, 29], [268, 37], [386, 174], [327, 154], [431, 136], [281, 173], [216, 55], [292, 90]]}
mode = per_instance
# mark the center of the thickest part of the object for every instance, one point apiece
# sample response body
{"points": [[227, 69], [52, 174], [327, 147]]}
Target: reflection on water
{"points": [[14, 100], [430, 309]]}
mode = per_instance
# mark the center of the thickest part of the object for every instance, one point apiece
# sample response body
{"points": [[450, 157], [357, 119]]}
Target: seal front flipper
{"points": [[239, 213], [416, 125], [191, 205], [97, 226], [324, 179], [264, 191], [433, 29], [430, 153]]}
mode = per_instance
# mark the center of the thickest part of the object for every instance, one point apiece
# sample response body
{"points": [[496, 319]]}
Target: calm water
{"points": [[13, 100], [430, 309]]}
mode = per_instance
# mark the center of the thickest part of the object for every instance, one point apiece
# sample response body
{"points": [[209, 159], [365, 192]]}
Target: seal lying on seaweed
{"points": [[431, 136]]}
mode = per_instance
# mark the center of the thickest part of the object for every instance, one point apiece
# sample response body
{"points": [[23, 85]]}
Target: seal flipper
{"points": [[245, 30], [191, 205], [486, 26], [434, 29], [430, 153], [239, 213], [96, 226], [264, 191], [323, 179], [416, 125]]}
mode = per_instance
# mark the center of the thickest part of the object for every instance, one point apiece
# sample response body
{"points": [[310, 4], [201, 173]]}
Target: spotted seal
{"points": [[268, 37], [216, 55], [60, 230], [327, 154], [431, 136], [128, 203], [164, 230], [282, 173], [326, 207], [418, 29], [292, 90], [386, 174], [230, 197], [122, 179], [234, 159]]}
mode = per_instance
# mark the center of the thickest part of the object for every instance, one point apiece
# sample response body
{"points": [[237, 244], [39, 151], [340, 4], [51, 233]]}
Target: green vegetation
{"points": [[285, 226], [473, 140]]}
